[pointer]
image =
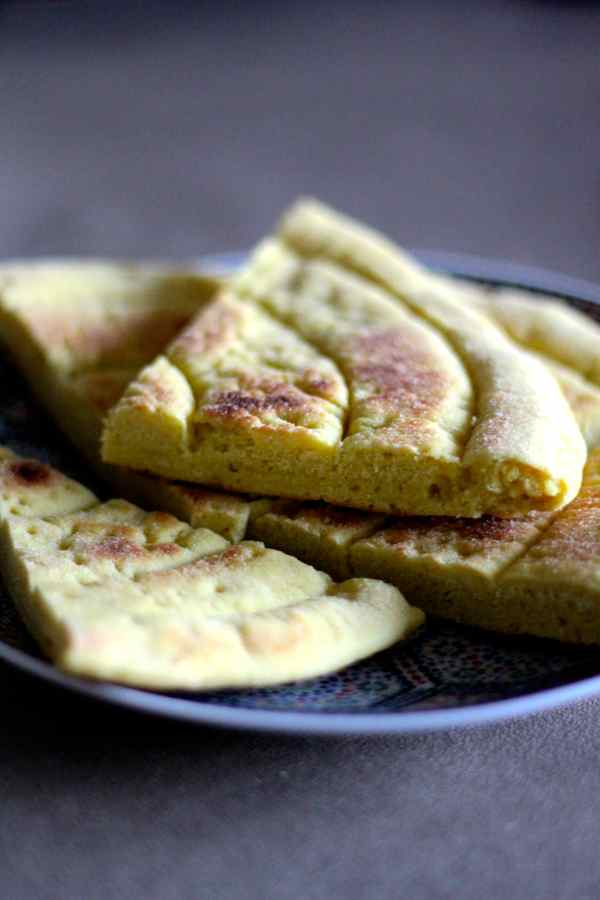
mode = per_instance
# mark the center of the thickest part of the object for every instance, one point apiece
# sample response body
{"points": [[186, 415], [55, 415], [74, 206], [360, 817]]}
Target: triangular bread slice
{"points": [[73, 297], [335, 368], [537, 575], [113, 592], [79, 331]]}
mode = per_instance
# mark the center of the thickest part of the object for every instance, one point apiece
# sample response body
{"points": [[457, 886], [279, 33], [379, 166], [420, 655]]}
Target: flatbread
{"points": [[319, 534], [80, 331], [113, 592], [335, 368], [537, 575]]}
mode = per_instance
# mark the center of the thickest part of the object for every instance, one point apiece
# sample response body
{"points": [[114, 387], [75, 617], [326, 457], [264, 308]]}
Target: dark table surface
{"points": [[177, 129]]}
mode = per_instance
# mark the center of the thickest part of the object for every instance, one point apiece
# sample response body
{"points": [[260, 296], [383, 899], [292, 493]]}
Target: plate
{"points": [[444, 676]]}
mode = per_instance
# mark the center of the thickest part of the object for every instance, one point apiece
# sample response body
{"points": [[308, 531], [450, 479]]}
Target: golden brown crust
{"points": [[212, 329], [31, 487], [538, 575], [402, 382], [434, 411], [30, 472], [324, 516], [79, 378], [113, 592], [260, 397], [468, 535]]}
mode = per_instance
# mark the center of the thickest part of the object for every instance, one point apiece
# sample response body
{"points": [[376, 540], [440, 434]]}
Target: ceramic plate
{"points": [[445, 676]]}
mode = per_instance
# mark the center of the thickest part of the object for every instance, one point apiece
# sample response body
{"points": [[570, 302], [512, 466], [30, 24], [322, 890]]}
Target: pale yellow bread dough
{"points": [[317, 533], [113, 592], [79, 331], [537, 575], [335, 368], [565, 339]]}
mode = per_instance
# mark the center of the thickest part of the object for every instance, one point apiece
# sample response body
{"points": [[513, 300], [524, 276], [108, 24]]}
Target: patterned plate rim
{"points": [[328, 723]]}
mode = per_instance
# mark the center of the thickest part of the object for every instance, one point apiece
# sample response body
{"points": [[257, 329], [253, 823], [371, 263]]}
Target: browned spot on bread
{"points": [[445, 529], [166, 549], [234, 555], [214, 326], [30, 472], [115, 546], [575, 534], [400, 374], [314, 383], [327, 516], [277, 398], [317, 385]]}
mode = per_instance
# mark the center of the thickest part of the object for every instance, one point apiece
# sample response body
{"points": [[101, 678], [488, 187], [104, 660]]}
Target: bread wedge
{"points": [[113, 592], [536, 575], [79, 331], [335, 368]]}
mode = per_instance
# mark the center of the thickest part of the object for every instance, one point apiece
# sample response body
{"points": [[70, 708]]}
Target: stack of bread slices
{"points": [[306, 451]]}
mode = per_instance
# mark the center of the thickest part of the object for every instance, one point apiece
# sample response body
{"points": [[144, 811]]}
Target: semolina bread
{"points": [[79, 332], [335, 368], [113, 592], [537, 575], [449, 566]]}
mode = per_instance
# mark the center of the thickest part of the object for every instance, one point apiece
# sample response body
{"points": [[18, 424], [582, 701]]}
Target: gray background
{"points": [[178, 129]]}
